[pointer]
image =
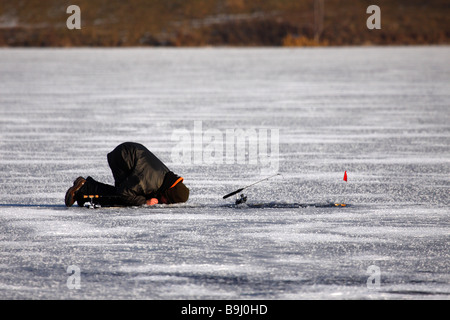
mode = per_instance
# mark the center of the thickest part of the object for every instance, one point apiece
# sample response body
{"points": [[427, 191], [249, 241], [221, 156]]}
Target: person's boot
{"points": [[71, 194]]}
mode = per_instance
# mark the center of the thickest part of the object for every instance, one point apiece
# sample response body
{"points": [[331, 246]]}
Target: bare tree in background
{"points": [[318, 19]]}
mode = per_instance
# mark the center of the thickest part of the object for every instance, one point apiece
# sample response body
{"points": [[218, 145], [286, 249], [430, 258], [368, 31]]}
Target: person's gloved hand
{"points": [[152, 202]]}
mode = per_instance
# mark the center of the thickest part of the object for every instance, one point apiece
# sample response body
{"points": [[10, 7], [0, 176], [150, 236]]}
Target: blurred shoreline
{"points": [[223, 23]]}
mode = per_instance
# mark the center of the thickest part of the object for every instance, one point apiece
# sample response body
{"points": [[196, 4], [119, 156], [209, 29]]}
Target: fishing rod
{"points": [[241, 189]]}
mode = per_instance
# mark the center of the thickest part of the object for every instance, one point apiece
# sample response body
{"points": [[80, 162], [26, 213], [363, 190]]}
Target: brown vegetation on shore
{"points": [[222, 23]]}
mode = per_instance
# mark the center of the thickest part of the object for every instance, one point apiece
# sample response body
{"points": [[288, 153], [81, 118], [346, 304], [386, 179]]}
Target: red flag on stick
{"points": [[345, 176]]}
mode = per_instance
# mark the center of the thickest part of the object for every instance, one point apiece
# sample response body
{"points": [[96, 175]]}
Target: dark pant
{"points": [[107, 194]]}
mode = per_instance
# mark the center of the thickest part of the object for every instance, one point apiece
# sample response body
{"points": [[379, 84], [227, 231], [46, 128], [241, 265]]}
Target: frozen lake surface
{"points": [[381, 114]]}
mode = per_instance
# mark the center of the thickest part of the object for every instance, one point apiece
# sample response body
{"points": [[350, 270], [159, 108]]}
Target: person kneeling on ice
{"points": [[140, 179]]}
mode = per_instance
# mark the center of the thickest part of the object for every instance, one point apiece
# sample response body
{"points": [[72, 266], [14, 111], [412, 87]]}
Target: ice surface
{"points": [[381, 114]]}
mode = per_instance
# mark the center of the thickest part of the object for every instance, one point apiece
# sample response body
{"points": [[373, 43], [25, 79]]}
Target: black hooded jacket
{"points": [[139, 175]]}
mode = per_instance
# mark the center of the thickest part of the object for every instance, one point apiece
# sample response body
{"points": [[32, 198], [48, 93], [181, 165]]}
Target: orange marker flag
{"points": [[345, 176]]}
